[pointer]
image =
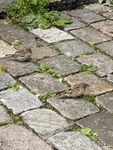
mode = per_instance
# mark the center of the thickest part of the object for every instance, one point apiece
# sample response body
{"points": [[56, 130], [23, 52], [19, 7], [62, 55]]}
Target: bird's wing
{"points": [[19, 54]]}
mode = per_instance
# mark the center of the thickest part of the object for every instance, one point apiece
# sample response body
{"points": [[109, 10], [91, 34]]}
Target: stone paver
{"points": [[4, 116], [104, 26], [102, 124], [72, 141], [110, 78], [41, 83], [104, 63], [90, 35], [76, 24], [52, 35], [96, 85], [42, 51], [62, 65], [73, 108], [106, 47], [16, 137], [20, 100], [74, 48], [5, 78], [98, 8], [105, 101], [6, 49], [109, 14], [86, 15], [45, 122], [16, 68]]}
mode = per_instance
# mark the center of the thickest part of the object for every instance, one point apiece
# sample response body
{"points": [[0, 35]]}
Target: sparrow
{"points": [[21, 55], [74, 91]]}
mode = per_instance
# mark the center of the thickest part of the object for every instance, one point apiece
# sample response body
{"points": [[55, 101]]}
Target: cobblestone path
{"points": [[27, 123]]}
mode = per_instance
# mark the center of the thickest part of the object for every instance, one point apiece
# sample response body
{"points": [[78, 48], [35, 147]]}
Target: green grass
{"points": [[88, 68]]}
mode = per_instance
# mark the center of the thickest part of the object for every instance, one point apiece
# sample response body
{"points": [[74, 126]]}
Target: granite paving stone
{"points": [[97, 86], [72, 141], [102, 124], [52, 35], [104, 26], [106, 47], [90, 35], [98, 8], [11, 34], [17, 137], [86, 15], [42, 83], [42, 51], [16, 68], [20, 100], [6, 49], [45, 122], [110, 78], [74, 48], [76, 24], [105, 101], [4, 116], [109, 14], [73, 108], [104, 63], [5, 78], [62, 65]]}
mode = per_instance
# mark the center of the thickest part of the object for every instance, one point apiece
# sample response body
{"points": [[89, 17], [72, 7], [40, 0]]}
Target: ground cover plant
{"points": [[34, 13]]}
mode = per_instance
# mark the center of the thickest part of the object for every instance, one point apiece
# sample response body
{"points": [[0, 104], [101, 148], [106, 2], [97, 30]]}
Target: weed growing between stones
{"points": [[47, 95], [34, 13], [90, 98], [88, 68], [13, 86], [16, 119], [44, 68], [3, 69]]}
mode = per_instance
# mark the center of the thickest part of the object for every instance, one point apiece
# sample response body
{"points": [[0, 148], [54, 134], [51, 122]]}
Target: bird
{"points": [[21, 55], [74, 91]]}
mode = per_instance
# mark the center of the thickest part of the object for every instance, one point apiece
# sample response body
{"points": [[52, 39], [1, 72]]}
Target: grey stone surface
{"points": [[72, 141], [4, 116], [41, 83], [62, 65], [110, 78], [11, 33], [42, 51], [86, 15], [6, 49], [16, 137], [97, 86], [45, 122], [20, 100], [106, 101], [102, 124], [74, 48], [4, 2], [52, 35], [76, 24], [16, 68], [73, 108], [109, 14], [104, 26], [104, 63], [98, 7], [5, 78], [106, 47], [90, 35]]}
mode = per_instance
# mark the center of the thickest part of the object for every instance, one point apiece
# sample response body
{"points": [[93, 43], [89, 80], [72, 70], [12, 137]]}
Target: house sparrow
{"points": [[74, 91], [21, 55]]}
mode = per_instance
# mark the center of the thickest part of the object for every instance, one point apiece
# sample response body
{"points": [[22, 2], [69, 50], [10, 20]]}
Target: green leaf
{"points": [[47, 95], [62, 21], [85, 131], [28, 19], [100, 1], [13, 86]]}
